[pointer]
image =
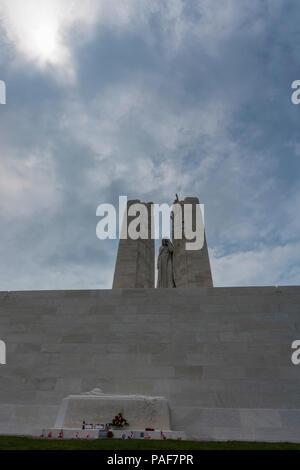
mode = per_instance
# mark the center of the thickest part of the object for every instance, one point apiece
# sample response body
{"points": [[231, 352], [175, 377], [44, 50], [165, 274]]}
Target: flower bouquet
{"points": [[119, 421]]}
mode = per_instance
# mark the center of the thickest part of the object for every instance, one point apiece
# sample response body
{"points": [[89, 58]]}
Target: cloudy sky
{"points": [[146, 98]]}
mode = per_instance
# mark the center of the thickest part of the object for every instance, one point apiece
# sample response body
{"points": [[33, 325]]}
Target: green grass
{"points": [[27, 443]]}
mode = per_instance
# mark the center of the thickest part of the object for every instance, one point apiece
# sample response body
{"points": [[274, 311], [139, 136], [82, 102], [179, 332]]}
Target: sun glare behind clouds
{"points": [[38, 29]]}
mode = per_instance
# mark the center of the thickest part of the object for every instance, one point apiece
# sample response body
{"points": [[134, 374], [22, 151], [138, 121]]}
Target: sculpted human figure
{"points": [[165, 266]]}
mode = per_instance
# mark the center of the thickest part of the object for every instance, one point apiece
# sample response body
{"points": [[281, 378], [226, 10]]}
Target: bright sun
{"points": [[39, 31], [45, 42]]}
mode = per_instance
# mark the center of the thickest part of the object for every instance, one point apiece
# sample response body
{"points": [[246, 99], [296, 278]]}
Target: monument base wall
{"points": [[220, 356]]}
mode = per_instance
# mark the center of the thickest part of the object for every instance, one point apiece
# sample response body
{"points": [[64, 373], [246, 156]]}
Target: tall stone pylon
{"points": [[191, 267], [135, 259]]}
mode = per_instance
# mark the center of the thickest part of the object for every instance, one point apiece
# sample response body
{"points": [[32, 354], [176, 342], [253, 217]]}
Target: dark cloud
{"points": [[182, 97]]}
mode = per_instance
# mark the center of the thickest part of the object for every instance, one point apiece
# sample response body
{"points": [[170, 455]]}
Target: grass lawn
{"points": [[27, 443]]}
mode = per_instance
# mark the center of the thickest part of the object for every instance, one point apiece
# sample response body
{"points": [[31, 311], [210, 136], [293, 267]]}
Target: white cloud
{"points": [[138, 136], [27, 185], [268, 265], [29, 275]]}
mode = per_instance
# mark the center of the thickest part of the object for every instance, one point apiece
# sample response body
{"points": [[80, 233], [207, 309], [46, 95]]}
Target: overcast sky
{"points": [[145, 99]]}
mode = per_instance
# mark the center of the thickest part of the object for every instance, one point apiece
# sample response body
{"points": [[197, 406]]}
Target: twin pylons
{"points": [[135, 264]]}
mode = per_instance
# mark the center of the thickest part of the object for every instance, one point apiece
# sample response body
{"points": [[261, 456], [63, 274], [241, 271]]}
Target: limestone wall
{"points": [[135, 258], [221, 356], [192, 267]]}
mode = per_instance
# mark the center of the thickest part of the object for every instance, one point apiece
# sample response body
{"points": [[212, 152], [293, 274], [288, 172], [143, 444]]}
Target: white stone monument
{"points": [[96, 407]]}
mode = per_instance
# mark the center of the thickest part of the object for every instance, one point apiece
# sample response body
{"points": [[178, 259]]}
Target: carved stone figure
{"points": [[165, 266]]}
